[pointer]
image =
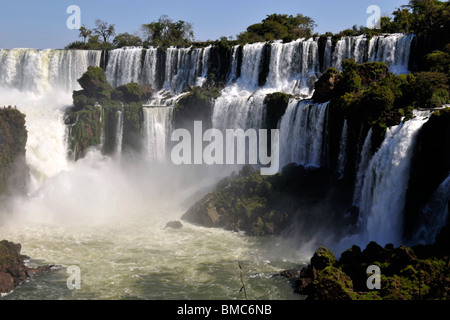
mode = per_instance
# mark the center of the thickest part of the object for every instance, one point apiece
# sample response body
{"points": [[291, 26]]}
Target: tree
{"points": [[104, 29], [279, 26], [167, 32], [127, 40], [85, 33]]}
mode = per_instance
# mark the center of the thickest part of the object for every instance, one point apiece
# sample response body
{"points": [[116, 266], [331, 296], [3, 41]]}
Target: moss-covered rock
{"points": [[404, 276], [13, 138], [322, 258], [332, 284], [262, 205], [95, 85], [133, 121], [132, 92], [85, 129]]}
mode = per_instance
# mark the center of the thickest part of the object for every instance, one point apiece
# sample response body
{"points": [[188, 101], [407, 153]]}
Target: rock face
{"points": [[13, 271], [13, 138], [404, 275], [430, 166]]}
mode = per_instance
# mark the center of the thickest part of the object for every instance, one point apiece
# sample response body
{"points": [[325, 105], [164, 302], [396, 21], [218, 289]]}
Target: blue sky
{"points": [[42, 23]]}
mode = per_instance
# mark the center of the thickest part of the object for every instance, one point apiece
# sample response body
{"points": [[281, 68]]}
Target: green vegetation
{"points": [[264, 205], [278, 26], [404, 275], [132, 92], [127, 40], [166, 32], [369, 96], [94, 118]]}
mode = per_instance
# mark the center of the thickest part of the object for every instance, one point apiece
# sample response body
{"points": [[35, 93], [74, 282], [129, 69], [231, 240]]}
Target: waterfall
{"points": [[183, 67], [435, 214], [294, 66], [233, 111], [41, 70], [119, 133], [366, 155], [251, 62], [301, 133], [349, 47], [157, 127], [204, 68], [40, 83], [386, 180], [394, 49], [327, 56], [234, 64], [124, 66], [342, 151]]}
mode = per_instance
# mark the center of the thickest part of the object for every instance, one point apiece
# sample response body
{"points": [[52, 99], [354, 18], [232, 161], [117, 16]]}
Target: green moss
{"points": [[333, 284], [94, 84], [5, 255], [85, 128], [128, 93]]}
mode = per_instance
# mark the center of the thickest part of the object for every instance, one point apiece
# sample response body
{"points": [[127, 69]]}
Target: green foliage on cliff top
{"points": [[279, 27]]}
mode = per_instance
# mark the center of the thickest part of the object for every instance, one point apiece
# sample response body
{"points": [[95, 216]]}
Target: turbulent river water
{"points": [[139, 258]]}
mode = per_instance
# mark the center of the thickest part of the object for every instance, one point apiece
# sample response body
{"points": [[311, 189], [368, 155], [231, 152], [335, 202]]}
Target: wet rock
{"points": [[13, 271], [174, 225]]}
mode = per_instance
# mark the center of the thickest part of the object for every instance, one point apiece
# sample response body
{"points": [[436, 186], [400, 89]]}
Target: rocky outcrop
{"points": [[197, 105], [404, 275], [13, 271], [14, 172], [265, 205]]}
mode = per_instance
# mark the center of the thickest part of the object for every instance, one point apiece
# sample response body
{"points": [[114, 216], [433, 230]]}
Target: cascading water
{"points": [[157, 126], [301, 133], [435, 214], [124, 66], [342, 150], [119, 133], [393, 49], [349, 47], [238, 112], [40, 83], [366, 155], [294, 66], [183, 67], [251, 63], [386, 180]]}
